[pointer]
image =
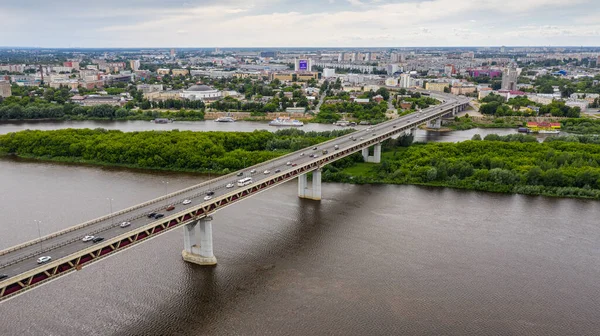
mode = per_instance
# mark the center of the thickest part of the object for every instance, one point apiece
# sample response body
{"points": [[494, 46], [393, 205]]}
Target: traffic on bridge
{"points": [[36, 262]]}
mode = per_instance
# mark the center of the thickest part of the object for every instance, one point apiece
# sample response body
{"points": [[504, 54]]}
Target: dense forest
{"points": [[561, 166], [568, 167], [581, 126], [218, 152], [74, 112]]}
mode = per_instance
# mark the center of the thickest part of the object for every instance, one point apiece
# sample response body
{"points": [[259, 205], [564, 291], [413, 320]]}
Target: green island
{"points": [[560, 166]]}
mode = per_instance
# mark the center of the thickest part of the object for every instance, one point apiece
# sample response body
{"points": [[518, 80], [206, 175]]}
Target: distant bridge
{"points": [[70, 253]]}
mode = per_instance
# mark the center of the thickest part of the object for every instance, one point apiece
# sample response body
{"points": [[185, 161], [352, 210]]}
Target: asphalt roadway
{"points": [[25, 259]]}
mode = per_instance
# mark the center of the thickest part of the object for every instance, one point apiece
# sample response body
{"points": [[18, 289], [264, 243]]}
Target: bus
{"points": [[244, 181]]}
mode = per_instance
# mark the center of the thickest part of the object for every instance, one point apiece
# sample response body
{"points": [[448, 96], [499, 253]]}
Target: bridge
{"points": [[70, 253]]}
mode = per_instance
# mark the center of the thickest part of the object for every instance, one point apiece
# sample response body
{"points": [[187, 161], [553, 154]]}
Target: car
{"points": [[210, 193], [159, 216], [374, 134], [170, 207], [277, 170], [125, 224], [151, 215], [44, 259], [2, 276], [266, 172], [362, 138], [206, 198], [289, 163], [187, 201], [336, 147], [316, 156], [311, 155], [97, 239], [230, 185], [353, 139], [253, 171], [87, 238], [394, 126], [294, 164], [240, 174], [315, 148], [301, 154]]}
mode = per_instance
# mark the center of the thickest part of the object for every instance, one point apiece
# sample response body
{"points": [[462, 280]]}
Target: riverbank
{"points": [[565, 167], [514, 164]]}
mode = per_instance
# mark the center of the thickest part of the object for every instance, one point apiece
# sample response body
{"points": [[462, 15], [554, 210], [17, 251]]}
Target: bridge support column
{"points": [[198, 242], [376, 157], [313, 193], [435, 123], [413, 131]]}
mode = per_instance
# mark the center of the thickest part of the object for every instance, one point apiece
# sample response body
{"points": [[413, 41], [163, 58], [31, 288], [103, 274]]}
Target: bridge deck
{"points": [[69, 252]]}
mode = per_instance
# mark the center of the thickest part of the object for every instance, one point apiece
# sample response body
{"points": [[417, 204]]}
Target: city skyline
{"points": [[283, 23]]}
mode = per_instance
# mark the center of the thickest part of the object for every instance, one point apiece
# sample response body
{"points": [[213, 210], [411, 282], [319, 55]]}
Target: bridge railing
{"points": [[153, 201]]}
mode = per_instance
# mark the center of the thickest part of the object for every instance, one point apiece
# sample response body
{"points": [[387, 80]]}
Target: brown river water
{"points": [[366, 260]]}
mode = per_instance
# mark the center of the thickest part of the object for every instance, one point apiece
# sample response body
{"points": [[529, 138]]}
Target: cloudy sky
{"points": [[302, 23]]}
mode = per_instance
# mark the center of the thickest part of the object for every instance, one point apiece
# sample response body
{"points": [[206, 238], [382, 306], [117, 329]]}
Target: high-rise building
{"points": [[5, 90], [405, 81], [135, 65], [172, 52], [598, 62], [302, 64], [392, 68], [328, 72], [509, 78]]}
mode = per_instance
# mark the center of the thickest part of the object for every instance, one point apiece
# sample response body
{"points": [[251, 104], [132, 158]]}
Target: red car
{"points": [[171, 207], [294, 164]]}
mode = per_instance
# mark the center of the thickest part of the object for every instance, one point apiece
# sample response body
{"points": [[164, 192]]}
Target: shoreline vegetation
{"points": [[561, 166]]}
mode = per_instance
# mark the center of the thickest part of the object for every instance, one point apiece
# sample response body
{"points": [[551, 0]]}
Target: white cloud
{"points": [[237, 23]]}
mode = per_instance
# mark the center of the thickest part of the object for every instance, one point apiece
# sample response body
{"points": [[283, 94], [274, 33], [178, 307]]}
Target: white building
{"points": [[392, 68], [303, 64], [405, 81], [134, 64], [200, 92], [328, 72]]}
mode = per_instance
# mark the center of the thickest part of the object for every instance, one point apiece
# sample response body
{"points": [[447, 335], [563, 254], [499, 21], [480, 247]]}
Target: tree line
{"points": [[217, 152], [567, 167]]}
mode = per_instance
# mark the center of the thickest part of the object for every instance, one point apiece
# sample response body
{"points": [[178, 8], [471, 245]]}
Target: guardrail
{"points": [[153, 201]]}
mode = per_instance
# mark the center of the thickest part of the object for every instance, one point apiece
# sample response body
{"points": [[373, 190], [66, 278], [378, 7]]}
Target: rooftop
{"points": [[199, 88]]}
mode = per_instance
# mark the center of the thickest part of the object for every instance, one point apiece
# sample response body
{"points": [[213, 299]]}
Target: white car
{"points": [[301, 154], [230, 185], [206, 198], [362, 138], [266, 172], [253, 171], [289, 163], [44, 259], [187, 201], [125, 224], [87, 238]]}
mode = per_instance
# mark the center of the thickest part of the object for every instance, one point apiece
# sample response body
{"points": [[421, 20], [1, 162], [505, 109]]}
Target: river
{"points": [[242, 126], [366, 260]]}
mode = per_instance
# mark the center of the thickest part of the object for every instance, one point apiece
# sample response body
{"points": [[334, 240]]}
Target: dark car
{"points": [[159, 216], [210, 193], [2, 276], [151, 215], [97, 239], [240, 174], [170, 207], [277, 170], [315, 148]]}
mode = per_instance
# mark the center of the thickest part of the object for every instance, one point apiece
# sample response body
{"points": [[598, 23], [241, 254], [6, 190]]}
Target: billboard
{"points": [[302, 65]]}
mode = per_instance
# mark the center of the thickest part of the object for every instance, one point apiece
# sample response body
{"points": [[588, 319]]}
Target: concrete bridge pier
{"points": [[198, 242], [435, 123], [313, 193], [376, 157]]}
